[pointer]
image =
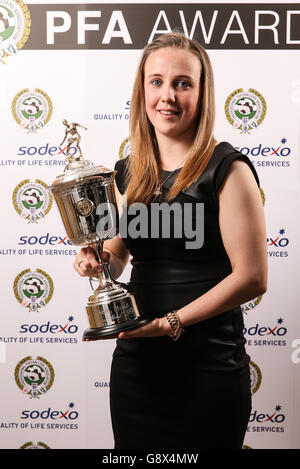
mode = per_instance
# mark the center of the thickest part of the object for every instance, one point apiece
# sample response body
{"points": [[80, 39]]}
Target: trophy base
{"points": [[100, 332], [111, 310]]}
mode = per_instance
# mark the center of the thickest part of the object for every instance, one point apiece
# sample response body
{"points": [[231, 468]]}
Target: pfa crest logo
{"points": [[255, 376], [245, 110], [14, 27], [246, 307], [32, 109], [34, 376], [263, 196], [33, 289], [32, 200], [32, 445], [124, 148]]}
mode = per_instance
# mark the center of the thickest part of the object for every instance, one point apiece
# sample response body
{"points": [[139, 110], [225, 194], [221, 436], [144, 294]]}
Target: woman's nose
{"points": [[168, 95]]}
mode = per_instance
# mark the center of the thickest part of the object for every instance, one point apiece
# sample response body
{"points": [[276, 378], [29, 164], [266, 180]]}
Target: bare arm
{"points": [[119, 255], [242, 226]]}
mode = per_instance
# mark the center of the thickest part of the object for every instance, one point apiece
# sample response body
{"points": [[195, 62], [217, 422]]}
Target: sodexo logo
{"points": [[31, 200], [266, 335], [34, 376], [278, 244], [274, 150], [44, 240], [279, 240], [275, 416], [271, 421], [245, 110], [49, 332], [50, 328], [15, 25], [45, 150], [32, 109], [51, 414]]}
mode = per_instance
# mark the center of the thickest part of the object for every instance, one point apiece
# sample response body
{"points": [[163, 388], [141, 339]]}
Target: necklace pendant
{"points": [[157, 192]]}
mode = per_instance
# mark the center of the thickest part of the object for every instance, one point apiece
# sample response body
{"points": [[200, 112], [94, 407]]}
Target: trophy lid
{"points": [[75, 173], [77, 168]]}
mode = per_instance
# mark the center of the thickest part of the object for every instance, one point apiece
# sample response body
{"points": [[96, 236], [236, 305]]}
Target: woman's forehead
{"points": [[171, 59]]}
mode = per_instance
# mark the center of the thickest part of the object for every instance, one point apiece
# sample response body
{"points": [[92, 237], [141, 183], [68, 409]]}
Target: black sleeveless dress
{"points": [[195, 392]]}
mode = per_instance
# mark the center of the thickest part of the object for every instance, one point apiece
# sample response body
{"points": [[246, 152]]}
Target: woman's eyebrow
{"points": [[176, 76], [154, 75]]}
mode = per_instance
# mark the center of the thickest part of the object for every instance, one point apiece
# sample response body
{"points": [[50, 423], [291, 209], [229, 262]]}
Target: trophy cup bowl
{"points": [[85, 197]]}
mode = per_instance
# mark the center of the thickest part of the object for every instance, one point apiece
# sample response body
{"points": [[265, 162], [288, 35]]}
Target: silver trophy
{"points": [[85, 197]]}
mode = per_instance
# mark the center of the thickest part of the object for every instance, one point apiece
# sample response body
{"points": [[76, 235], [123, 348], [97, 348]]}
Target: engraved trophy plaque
{"points": [[79, 192]]}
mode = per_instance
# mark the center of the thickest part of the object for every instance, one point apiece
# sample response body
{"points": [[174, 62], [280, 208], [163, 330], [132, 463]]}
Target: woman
{"points": [[193, 392]]}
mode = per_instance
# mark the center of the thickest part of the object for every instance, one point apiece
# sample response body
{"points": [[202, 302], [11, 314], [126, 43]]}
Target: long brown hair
{"points": [[142, 168]]}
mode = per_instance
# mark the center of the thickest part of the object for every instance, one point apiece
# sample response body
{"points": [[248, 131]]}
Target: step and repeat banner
{"points": [[77, 61]]}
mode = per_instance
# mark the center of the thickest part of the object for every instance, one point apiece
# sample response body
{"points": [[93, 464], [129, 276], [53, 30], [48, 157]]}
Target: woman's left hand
{"points": [[156, 328]]}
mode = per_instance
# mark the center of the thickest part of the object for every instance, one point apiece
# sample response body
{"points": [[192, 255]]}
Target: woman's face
{"points": [[172, 91]]}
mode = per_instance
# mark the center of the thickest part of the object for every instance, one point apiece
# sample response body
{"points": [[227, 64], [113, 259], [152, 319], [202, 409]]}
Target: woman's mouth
{"points": [[168, 112]]}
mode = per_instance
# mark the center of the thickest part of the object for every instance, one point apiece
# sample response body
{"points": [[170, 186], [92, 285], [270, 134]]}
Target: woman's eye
{"points": [[183, 84], [156, 82]]}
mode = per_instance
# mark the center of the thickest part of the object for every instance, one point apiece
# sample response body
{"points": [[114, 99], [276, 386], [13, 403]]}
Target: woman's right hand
{"points": [[86, 262]]}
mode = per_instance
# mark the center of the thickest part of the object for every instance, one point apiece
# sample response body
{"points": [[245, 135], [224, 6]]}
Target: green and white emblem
{"points": [[245, 110], [32, 109], [255, 376], [14, 27], [32, 200], [34, 376], [33, 289]]}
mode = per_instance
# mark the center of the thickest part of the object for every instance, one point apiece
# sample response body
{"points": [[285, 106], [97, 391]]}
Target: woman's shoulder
{"points": [[120, 175], [217, 168], [121, 164], [225, 155], [221, 151]]}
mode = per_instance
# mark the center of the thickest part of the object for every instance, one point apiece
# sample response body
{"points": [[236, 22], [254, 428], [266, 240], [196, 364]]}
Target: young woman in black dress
{"points": [[193, 392]]}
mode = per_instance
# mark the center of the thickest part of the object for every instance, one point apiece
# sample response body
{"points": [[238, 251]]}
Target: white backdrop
{"points": [[93, 87]]}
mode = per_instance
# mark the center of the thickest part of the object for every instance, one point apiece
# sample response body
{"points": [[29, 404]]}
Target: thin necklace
{"points": [[158, 190]]}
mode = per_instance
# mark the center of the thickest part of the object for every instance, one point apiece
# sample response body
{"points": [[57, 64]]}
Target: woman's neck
{"points": [[172, 153]]}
